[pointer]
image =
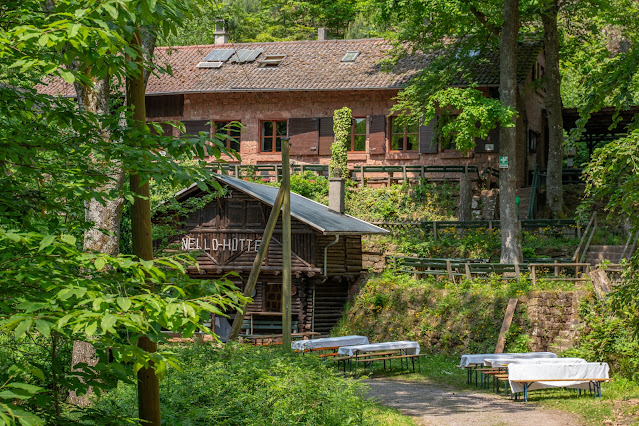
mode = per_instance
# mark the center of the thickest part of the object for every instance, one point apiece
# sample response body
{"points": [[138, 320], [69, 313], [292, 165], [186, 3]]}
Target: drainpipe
{"points": [[326, 253]]}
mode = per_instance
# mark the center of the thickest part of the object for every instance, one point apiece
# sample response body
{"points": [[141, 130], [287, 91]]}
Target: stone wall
{"points": [[554, 319], [373, 259]]}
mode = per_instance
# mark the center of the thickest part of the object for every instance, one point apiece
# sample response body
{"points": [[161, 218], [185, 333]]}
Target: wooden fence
{"points": [[552, 270]]}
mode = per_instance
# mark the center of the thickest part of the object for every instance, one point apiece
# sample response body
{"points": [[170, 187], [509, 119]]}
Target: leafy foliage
{"points": [[342, 119], [443, 317], [244, 385]]}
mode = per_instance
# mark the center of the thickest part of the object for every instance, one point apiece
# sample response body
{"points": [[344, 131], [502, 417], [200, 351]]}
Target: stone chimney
{"points": [[322, 34], [336, 195], [221, 37]]}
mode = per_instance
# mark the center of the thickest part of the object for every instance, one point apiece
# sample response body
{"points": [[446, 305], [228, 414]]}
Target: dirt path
{"points": [[431, 404]]}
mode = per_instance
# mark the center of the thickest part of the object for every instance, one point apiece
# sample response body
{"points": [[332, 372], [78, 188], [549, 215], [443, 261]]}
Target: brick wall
{"points": [[251, 108]]}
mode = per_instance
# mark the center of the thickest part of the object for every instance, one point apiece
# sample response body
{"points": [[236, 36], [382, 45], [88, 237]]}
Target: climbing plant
{"points": [[341, 128]]}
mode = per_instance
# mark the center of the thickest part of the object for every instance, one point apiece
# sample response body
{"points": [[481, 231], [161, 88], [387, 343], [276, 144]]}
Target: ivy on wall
{"points": [[342, 119]]}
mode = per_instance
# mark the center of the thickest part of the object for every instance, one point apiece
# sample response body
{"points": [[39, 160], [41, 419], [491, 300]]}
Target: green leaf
{"points": [[91, 328], [46, 242], [124, 303], [23, 327], [99, 263], [67, 76], [107, 321], [44, 327], [69, 239]]}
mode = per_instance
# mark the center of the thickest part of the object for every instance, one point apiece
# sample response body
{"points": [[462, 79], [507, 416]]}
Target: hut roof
{"points": [[312, 213]]}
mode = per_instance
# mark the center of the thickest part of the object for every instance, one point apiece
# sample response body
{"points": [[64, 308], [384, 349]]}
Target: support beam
{"points": [[257, 263], [286, 246]]}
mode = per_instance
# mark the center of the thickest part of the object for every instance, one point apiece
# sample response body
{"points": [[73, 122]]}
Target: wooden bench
{"points": [[596, 382], [369, 357], [274, 339]]}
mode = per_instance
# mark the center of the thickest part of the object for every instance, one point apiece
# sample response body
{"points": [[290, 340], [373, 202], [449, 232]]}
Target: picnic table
{"points": [[408, 347], [386, 351], [491, 362], [329, 342], [587, 376], [475, 362], [478, 359]]}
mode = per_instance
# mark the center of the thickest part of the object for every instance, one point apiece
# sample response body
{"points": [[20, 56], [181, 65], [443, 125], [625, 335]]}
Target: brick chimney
{"points": [[322, 34], [221, 37], [336, 195]]}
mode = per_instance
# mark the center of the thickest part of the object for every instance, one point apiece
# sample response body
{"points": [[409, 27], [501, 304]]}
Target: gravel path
{"points": [[431, 404]]}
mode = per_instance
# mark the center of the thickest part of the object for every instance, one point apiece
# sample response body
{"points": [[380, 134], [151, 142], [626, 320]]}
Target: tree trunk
{"points": [[465, 197], [554, 186], [510, 232], [104, 236], [148, 383]]}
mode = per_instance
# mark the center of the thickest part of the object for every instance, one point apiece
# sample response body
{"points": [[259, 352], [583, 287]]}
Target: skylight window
{"points": [[350, 56], [216, 64], [271, 60]]}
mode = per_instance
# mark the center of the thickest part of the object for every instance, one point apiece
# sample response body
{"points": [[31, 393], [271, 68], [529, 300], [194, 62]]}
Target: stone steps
{"points": [[598, 253]]}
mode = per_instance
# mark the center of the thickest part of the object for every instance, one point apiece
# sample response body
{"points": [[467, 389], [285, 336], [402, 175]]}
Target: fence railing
{"points": [[551, 270], [364, 174], [489, 225]]}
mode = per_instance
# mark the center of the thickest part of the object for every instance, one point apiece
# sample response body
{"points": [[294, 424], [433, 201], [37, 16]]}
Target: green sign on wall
{"points": [[503, 162]]}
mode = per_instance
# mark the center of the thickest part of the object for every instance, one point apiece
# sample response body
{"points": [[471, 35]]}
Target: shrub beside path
{"points": [[432, 404]]}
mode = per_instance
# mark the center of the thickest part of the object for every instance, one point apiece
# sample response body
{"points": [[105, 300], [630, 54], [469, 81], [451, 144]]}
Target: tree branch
{"points": [[483, 19]]}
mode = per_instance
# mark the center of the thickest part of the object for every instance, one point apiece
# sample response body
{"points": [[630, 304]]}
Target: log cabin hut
{"points": [[326, 253]]}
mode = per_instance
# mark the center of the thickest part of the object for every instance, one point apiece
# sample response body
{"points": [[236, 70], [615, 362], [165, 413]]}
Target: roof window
{"points": [[271, 60], [216, 64], [350, 56]]}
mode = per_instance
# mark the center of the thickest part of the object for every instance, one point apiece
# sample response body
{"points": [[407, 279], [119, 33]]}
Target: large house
{"points": [[292, 88]]}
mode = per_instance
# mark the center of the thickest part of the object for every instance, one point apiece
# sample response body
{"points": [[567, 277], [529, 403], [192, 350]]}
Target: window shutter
{"points": [[303, 134], [164, 106], [377, 134], [326, 135], [194, 127], [492, 138], [427, 139]]}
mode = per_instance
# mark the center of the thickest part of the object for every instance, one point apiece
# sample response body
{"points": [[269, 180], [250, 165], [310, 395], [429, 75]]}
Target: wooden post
{"points": [[517, 274], [533, 275], [286, 247], [468, 276], [148, 383], [556, 268], [505, 326], [404, 175], [449, 269], [361, 177], [257, 263], [435, 230]]}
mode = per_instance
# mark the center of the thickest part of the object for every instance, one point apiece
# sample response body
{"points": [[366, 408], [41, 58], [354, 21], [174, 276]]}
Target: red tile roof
{"points": [[309, 65]]}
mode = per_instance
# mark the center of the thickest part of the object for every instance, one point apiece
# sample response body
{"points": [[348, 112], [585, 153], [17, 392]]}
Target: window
{"points": [[358, 135], [404, 136], [350, 56], [271, 60], [229, 133], [272, 134]]}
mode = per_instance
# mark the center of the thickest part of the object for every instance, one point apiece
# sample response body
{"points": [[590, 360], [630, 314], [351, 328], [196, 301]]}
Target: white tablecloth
{"points": [[467, 360], [491, 362], [411, 348], [534, 372], [329, 342]]}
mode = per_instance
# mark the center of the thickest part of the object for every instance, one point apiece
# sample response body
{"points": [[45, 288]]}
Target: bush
{"points": [[245, 385]]}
